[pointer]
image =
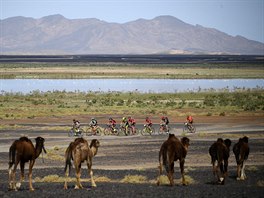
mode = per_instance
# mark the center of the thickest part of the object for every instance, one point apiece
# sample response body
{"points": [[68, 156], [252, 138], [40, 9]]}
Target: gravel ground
{"points": [[119, 157]]}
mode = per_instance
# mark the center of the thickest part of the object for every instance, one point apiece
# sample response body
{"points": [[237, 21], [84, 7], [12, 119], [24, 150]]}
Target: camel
{"points": [[241, 151], [219, 151], [79, 151], [22, 151], [172, 150]]}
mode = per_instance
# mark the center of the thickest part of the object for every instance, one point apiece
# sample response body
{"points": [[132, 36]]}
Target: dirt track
{"points": [[138, 155]]}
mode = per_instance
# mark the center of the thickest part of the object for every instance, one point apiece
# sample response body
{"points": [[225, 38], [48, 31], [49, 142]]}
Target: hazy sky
{"points": [[235, 17]]}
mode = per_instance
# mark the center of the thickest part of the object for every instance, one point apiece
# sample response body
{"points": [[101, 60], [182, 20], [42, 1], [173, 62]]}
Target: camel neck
{"points": [[38, 149], [94, 151]]}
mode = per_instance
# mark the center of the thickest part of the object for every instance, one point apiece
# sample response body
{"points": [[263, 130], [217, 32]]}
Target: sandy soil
{"points": [[138, 155]]}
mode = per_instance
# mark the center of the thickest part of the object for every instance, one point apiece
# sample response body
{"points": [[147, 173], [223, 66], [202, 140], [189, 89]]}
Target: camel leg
{"points": [[182, 172], [66, 178], [22, 174], [31, 164], [243, 175], [170, 174], [90, 171], [13, 176], [78, 177], [159, 173], [10, 173], [218, 172]]}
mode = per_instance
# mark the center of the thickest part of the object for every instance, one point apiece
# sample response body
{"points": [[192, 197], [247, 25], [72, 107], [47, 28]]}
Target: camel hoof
{"points": [[238, 178], [18, 185], [31, 189]]}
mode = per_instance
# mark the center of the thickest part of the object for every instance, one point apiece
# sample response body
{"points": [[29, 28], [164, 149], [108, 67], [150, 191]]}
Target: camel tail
{"points": [[12, 155], [163, 156], [68, 157]]}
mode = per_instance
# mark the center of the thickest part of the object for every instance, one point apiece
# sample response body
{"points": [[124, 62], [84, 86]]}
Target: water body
{"points": [[126, 85]]}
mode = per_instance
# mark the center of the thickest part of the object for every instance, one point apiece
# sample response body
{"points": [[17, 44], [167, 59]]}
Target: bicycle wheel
{"points": [[192, 129], [98, 131], [107, 131], [80, 133], [134, 131], [145, 132], [89, 132], [121, 131], [70, 133], [185, 129]]}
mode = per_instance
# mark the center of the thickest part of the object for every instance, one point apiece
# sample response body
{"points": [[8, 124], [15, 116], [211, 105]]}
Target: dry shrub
{"points": [[136, 179], [260, 183], [165, 181], [102, 179]]}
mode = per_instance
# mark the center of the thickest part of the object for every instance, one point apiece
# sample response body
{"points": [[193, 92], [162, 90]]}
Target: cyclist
{"points": [[131, 121], [189, 120], [112, 123], [76, 126], [93, 123], [165, 122], [132, 124], [124, 124], [148, 123]]}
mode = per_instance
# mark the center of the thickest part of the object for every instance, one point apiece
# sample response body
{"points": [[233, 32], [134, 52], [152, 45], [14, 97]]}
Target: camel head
{"points": [[40, 143], [185, 141], [94, 143], [244, 139]]}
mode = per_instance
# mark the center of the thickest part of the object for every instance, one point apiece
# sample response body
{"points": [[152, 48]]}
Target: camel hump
{"points": [[24, 138], [244, 139]]}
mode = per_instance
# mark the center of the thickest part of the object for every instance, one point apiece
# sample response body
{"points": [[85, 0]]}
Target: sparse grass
{"points": [[57, 178], [135, 179], [55, 154], [252, 168], [61, 104], [260, 183], [165, 181]]}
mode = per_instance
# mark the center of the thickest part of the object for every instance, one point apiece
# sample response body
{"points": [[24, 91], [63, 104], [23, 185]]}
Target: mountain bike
{"points": [[164, 129], [148, 130], [189, 128], [109, 130], [76, 132], [133, 130], [93, 130]]}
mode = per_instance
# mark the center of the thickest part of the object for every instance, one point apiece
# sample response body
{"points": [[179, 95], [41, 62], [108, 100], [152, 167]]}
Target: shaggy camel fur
{"points": [[79, 151], [241, 151], [22, 151], [219, 151], [172, 150]]}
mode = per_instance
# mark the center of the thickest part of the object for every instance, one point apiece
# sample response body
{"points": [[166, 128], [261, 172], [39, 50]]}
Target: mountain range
{"points": [[56, 34]]}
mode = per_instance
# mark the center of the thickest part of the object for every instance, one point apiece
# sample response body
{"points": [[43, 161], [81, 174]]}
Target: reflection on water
{"points": [[127, 85]]}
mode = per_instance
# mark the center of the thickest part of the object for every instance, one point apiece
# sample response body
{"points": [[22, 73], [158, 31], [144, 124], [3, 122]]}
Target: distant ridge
{"points": [[56, 34]]}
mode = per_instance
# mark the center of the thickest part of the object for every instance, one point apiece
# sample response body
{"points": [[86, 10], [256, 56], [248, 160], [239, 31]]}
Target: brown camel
{"points": [[79, 151], [241, 151], [22, 151], [219, 151], [172, 150]]}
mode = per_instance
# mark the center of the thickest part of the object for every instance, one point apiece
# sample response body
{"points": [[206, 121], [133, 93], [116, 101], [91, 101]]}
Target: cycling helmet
{"points": [[124, 118], [110, 118]]}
